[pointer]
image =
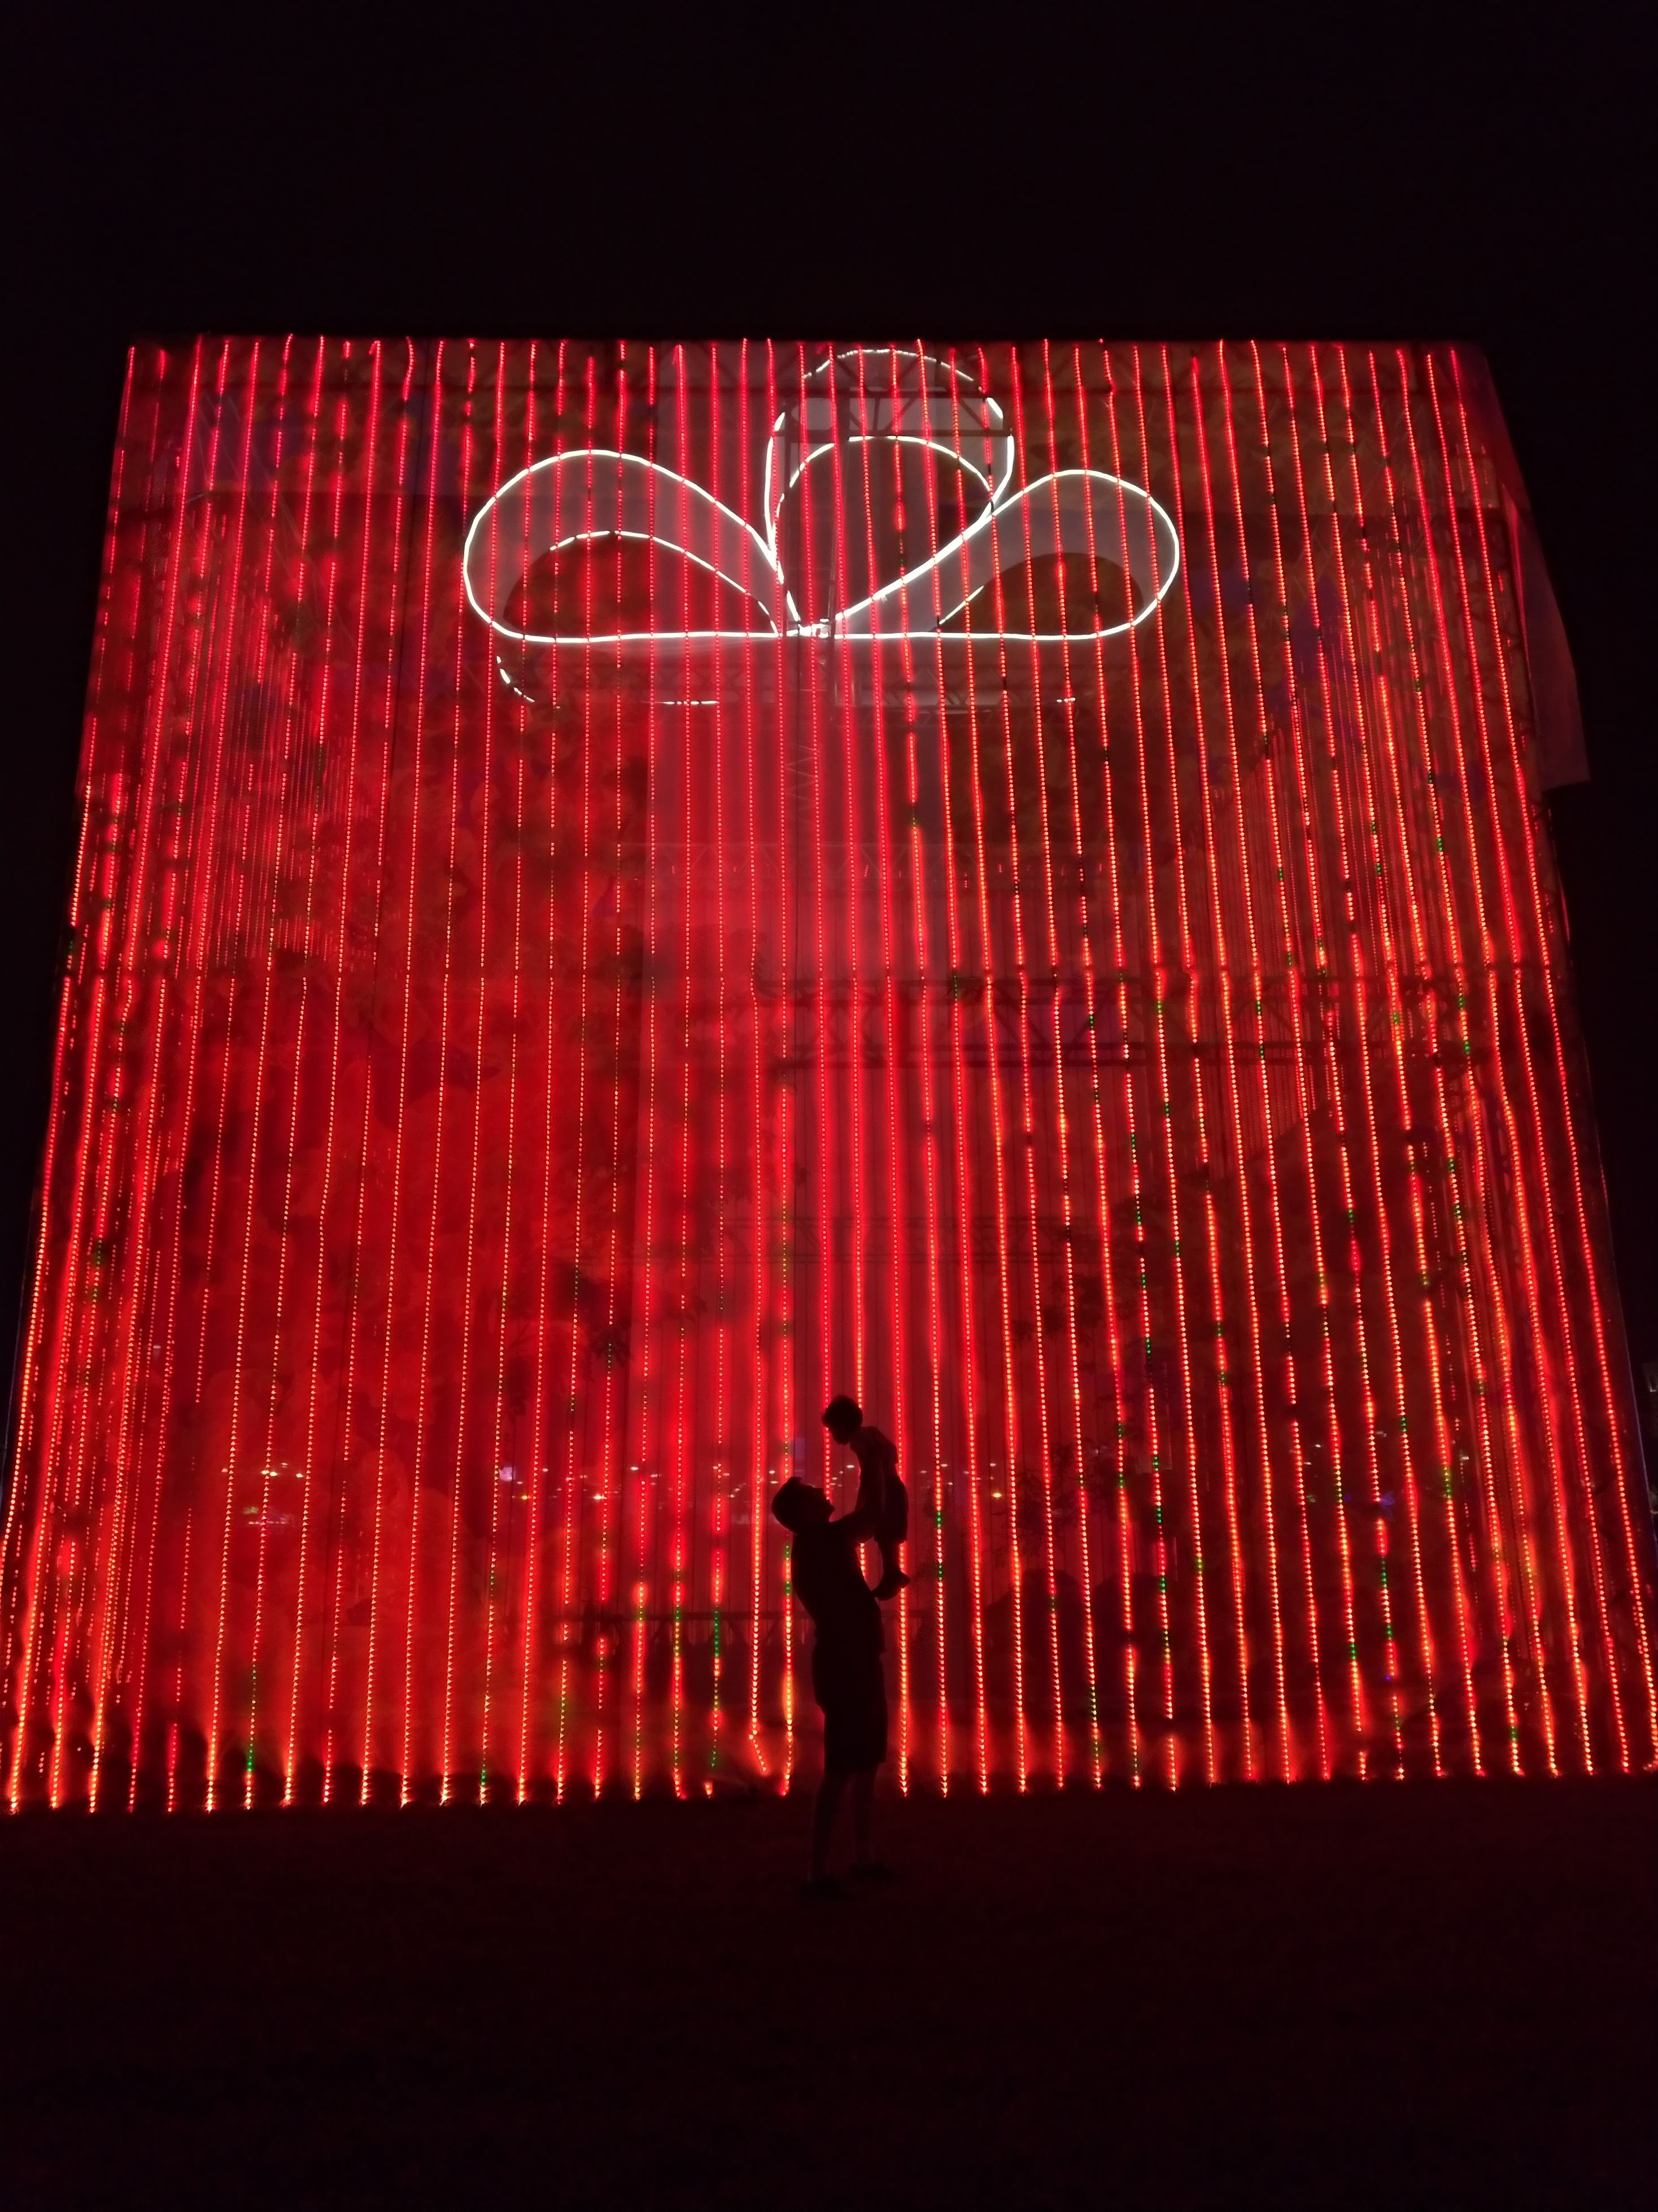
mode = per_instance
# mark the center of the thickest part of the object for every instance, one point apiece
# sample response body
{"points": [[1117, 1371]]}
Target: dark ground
{"points": [[1439, 1995]]}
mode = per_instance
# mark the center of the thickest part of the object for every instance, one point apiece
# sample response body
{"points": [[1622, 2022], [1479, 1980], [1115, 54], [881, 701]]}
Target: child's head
{"points": [[800, 1504], [843, 1418]]}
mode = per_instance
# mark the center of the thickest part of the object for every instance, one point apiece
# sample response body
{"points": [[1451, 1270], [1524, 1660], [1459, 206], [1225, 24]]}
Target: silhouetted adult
{"points": [[847, 1679]]}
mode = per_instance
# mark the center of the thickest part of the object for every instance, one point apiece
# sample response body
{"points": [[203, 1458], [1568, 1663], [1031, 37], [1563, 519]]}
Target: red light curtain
{"points": [[1105, 1004]]}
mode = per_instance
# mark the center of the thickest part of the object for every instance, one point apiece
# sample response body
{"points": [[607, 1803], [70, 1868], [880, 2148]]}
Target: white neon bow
{"points": [[595, 493]]}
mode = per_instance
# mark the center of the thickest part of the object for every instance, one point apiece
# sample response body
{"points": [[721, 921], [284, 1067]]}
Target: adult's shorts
{"points": [[851, 1688]]}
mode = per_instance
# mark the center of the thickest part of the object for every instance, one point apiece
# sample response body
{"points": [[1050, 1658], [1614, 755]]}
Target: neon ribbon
{"points": [[595, 492]]}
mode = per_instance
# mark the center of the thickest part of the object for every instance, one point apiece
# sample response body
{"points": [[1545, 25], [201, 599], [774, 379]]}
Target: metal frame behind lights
{"points": [[645, 502]]}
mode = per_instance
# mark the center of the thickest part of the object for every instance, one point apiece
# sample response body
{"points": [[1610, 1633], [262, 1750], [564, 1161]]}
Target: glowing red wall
{"points": [[1119, 1026]]}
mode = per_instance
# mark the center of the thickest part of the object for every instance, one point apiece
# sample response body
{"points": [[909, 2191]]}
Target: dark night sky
{"points": [[1397, 172]]}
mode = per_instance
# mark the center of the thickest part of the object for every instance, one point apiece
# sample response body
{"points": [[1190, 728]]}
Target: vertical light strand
{"points": [[287, 832], [1323, 980], [462, 1354], [724, 1430], [1129, 1630], [686, 1201], [1069, 1220], [306, 562], [178, 1685], [1289, 1428], [846, 682], [764, 1328], [1028, 1135], [1356, 983], [1068, 1217], [956, 984], [241, 862], [998, 1128], [935, 1570], [1154, 1429], [572, 1466], [884, 863], [644, 1310], [1449, 1162], [309, 1465], [423, 642], [1279, 872], [1359, 766], [357, 1303], [788, 1210], [1189, 982], [1369, 649], [806, 661], [496, 1578], [541, 1498], [1224, 1324], [611, 1457], [237, 1369], [446, 973], [1253, 985]]}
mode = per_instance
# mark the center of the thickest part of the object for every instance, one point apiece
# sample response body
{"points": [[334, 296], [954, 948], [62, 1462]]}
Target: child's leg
{"points": [[893, 1576]]}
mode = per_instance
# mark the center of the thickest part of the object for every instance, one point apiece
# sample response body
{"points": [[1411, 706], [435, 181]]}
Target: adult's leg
{"points": [[825, 1806], [863, 1815]]}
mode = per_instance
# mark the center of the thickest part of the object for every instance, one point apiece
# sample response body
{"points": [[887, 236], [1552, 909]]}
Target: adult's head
{"points": [[800, 1505], [844, 1416]]}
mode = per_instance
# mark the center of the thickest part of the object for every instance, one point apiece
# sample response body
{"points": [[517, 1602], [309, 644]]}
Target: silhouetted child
{"points": [[881, 1491], [847, 1679]]}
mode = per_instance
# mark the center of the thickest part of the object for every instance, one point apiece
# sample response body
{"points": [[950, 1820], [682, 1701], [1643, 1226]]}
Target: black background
{"points": [[1388, 173]]}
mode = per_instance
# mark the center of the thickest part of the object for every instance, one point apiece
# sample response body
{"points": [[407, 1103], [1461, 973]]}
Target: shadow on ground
{"points": [[1439, 1995]]}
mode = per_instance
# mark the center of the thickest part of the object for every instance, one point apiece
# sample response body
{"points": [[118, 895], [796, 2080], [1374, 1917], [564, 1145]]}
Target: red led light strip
{"points": [[1010, 1435], [237, 1364], [893, 1336], [1127, 1626], [1157, 1431], [970, 1474], [934, 1570], [1356, 981], [759, 1487], [1354, 656], [1224, 1324], [1453, 1165], [1027, 1129], [1163, 982]]}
